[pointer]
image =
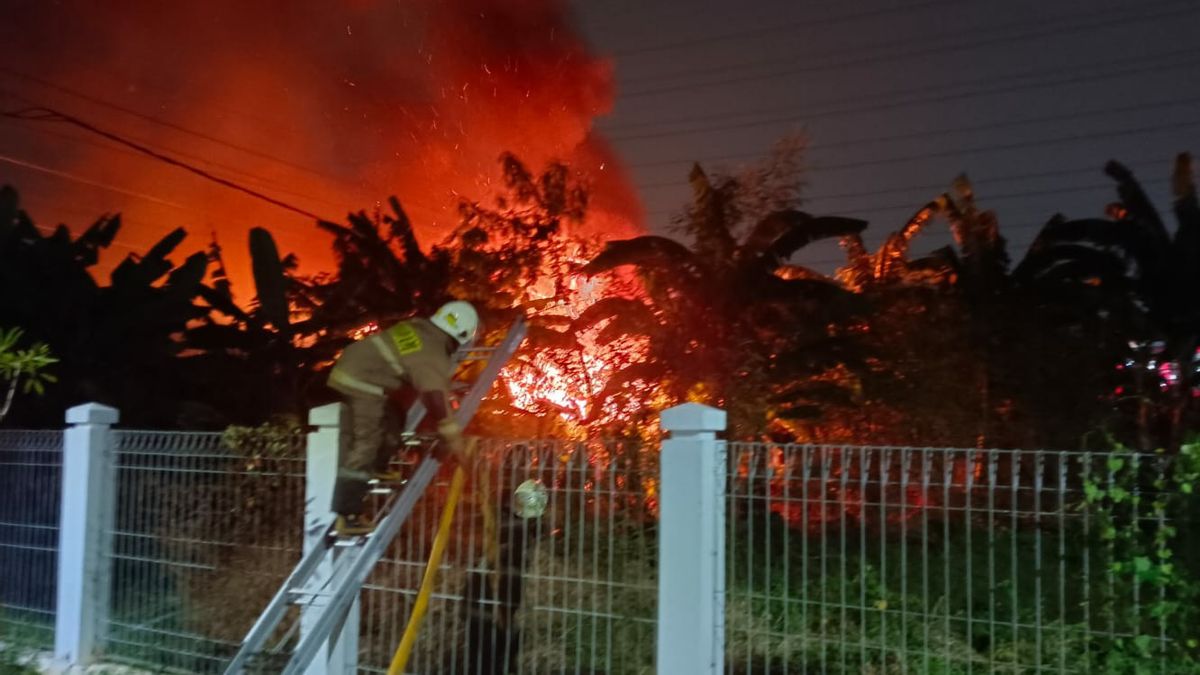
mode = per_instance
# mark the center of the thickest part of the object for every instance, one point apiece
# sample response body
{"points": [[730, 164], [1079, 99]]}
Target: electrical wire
{"points": [[784, 28], [972, 42], [918, 98], [51, 115], [88, 181], [95, 100], [1072, 138]]}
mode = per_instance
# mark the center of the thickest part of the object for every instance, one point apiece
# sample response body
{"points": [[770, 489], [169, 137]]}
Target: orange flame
{"points": [[565, 381]]}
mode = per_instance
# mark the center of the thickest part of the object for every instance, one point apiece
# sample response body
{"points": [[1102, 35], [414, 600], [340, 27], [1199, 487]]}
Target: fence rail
{"points": [[204, 531], [861, 559], [831, 559], [30, 483], [570, 591]]}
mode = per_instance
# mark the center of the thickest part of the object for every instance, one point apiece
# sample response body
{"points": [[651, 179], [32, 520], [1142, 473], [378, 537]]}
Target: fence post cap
{"points": [[693, 417], [92, 413], [327, 415]]}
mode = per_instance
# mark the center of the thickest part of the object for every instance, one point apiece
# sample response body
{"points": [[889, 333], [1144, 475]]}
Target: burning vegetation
{"points": [[365, 98]]}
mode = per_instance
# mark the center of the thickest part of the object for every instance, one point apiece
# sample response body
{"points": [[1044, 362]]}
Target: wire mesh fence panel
{"points": [[30, 493], [206, 528], [861, 559], [550, 567]]}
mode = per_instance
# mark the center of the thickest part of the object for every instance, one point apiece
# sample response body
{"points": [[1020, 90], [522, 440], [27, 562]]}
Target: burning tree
{"points": [[523, 254], [728, 321], [518, 256]]}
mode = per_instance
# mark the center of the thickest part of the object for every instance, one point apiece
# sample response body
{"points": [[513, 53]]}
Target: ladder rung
{"points": [[351, 543], [306, 592]]}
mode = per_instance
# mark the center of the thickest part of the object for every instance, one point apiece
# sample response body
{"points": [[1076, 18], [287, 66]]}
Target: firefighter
{"points": [[414, 359]]}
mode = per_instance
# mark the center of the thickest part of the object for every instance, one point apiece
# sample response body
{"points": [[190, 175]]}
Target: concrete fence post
{"points": [[340, 655], [691, 538], [85, 535]]}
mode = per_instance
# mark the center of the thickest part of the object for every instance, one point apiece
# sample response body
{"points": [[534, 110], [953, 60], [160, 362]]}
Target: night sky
{"points": [[332, 106], [1029, 98]]}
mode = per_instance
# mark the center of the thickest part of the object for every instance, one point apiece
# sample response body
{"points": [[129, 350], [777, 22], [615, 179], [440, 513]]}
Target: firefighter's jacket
{"points": [[410, 353]]}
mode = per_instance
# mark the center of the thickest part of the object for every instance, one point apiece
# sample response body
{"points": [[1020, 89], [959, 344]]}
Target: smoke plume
{"points": [[329, 106]]}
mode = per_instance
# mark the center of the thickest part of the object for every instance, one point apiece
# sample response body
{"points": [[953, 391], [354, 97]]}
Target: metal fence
{"points": [[874, 560], [838, 559], [30, 484], [571, 591], [204, 532]]}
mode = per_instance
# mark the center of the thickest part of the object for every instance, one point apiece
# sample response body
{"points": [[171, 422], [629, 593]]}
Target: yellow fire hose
{"points": [[439, 546], [491, 539], [400, 659]]}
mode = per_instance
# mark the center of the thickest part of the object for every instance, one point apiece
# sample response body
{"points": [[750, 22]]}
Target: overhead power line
{"points": [[889, 138], [986, 200], [430, 213], [918, 97], [971, 42], [50, 115], [29, 198], [1026, 76], [1037, 143], [1073, 138], [951, 40], [86, 181], [785, 28], [117, 189], [251, 178], [95, 100], [942, 186]]}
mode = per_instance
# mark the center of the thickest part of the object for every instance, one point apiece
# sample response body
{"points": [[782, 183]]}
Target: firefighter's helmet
{"points": [[459, 319]]}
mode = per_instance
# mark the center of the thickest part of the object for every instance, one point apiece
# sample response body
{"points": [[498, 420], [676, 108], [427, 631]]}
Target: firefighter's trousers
{"points": [[369, 437]]}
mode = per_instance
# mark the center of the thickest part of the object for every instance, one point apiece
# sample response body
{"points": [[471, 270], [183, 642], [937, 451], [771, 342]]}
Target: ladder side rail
{"points": [[346, 588], [353, 567], [355, 574], [504, 351], [266, 623]]}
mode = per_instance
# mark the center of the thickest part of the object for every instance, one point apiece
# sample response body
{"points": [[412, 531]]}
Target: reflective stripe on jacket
{"points": [[411, 353]]}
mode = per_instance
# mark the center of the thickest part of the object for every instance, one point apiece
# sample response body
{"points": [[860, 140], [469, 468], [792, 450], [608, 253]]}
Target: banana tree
{"points": [[118, 342], [1037, 339], [729, 321], [1161, 273], [253, 353]]}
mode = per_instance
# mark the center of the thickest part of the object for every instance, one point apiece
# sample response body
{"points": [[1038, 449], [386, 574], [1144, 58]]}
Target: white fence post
{"points": [[340, 655], [691, 540], [84, 534]]}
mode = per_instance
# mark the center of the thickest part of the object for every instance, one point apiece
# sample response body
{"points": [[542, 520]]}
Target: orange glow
{"points": [[364, 330], [365, 99], [564, 381]]}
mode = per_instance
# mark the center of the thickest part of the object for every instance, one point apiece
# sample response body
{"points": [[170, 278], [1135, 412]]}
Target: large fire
{"points": [[329, 105], [566, 380]]}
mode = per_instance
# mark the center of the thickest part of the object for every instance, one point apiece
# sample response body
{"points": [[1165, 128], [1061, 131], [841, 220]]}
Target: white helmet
{"points": [[457, 318]]}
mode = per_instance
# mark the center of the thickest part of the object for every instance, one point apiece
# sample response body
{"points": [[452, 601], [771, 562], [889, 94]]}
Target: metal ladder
{"points": [[354, 563]]}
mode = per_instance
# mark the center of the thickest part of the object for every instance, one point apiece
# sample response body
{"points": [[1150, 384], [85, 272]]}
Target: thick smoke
{"points": [[331, 106]]}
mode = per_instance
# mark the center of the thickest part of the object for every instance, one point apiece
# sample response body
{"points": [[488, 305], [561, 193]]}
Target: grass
{"points": [[11, 664], [947, 598], [18, 639], [933, 595]]}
